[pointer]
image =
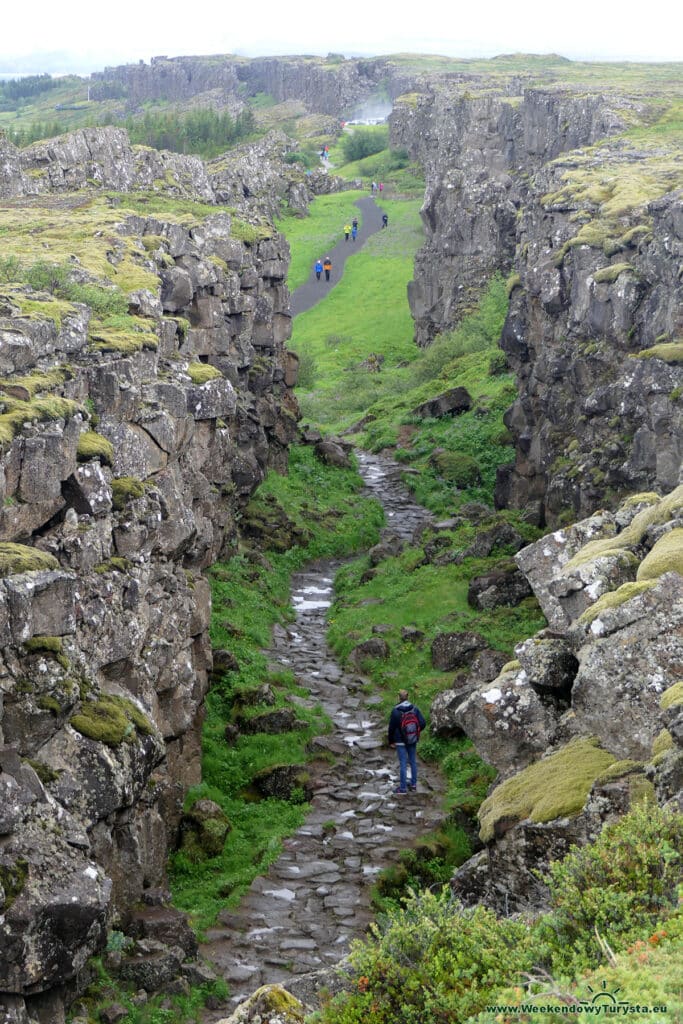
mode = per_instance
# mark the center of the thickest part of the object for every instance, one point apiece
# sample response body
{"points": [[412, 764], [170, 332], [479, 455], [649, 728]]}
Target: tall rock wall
{"points": [[127, 447], [171, 79], [588, 232]]}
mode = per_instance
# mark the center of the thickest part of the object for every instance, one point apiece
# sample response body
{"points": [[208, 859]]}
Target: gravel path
{"points": [[310, 293]]}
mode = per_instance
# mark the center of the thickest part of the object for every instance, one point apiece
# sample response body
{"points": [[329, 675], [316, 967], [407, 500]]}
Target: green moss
{"points": [[17, 412], [13, 879], [111, 720], [458, 468], [200, 373], [513, 281], [655, 514], [48, 645], [644, 498], [125, 489], [668, 352], [16, 558], [32, 383], [608, 275], [662, 742], [672, 697], [250, 234], [92, 445], [47, 703], [666, 556], [114, 564], [619, 769], [511, 666], [615, 598], [552, 788], [44, 772]]}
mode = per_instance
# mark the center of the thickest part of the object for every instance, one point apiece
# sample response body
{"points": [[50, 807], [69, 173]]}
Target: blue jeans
{"points": [[407, 754]]}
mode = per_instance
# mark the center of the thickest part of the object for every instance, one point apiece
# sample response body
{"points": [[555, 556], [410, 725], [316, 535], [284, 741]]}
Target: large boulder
{"points": [[453, 650]]}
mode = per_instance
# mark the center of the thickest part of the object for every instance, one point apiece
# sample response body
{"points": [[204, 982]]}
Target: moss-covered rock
{"points": [[12, 881], [92, 445], [615, 598], [111, 720], [554, 787], [665, 556], [457, 468], [269, 1001], [672, 697], [667, 351], [125, 489], [16, 558], [203, 830], [200, 373]]}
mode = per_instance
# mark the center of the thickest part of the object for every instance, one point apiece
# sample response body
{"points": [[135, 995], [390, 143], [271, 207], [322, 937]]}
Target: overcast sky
{"points": [[84, 36]]}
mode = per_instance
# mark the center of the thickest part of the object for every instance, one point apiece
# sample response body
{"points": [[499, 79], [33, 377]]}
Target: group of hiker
{"points": [[350, 231]]}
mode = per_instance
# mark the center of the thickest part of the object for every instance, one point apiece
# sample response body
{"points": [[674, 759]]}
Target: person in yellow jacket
{"points": [[347, 232]]}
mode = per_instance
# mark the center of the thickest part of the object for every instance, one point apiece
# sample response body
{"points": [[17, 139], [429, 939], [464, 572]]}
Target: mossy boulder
{"points": [[283, 781], [665, 556], [268, 1002], [555, 787], [203, 830], [17, 558], [201, 373], [92, 445], [111, 720], [614, 599], [125, 489], [459, 469]]}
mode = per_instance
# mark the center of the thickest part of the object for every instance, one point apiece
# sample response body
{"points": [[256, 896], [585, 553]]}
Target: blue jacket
{"points": [[395, 736], [318, 267]]}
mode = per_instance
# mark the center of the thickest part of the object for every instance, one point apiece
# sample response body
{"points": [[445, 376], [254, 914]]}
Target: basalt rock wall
{"points": [[478, 146], [125, 456], [169, 79]]}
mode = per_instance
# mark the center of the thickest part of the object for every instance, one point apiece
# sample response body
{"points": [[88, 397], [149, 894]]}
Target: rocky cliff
{"points": [[588, 719], [591, 240], [144, 392]]}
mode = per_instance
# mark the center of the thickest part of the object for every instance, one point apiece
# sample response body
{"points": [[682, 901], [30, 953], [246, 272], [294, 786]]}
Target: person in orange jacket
{"points": [[327, 267]]}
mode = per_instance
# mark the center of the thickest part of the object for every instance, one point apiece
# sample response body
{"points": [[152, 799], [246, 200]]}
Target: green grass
{"points": [[310, 237], [249, 596]]}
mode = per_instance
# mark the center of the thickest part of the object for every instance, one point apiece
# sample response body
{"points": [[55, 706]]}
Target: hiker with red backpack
{"points": [[405, 725]]}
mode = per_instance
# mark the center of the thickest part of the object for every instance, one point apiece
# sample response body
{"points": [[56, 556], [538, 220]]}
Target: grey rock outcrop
{"points": [[586, 722], [104, 611]]}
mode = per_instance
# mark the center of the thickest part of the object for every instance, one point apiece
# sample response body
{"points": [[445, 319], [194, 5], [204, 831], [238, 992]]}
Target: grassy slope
{"points": [[249, 596]]}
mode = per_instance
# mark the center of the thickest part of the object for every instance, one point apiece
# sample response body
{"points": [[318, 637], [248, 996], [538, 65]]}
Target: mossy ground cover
{"points": [[249, 596]]}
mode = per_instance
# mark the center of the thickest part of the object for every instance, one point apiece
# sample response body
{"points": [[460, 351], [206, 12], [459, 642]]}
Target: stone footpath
{"points": [[315, 899]]}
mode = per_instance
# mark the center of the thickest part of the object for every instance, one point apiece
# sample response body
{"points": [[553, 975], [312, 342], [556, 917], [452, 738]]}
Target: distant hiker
{"points": [[405, 725], [354, 231], [385, 220], [347, 232], [327, 267], [381, 188], [373, 186], [354, 223], [318, 268]]}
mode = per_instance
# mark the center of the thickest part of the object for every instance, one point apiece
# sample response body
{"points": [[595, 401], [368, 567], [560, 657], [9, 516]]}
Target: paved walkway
{"points": [[315, 899], [310, 293]]}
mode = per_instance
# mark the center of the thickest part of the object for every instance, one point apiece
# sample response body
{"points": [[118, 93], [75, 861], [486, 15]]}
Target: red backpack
{"points": [[410, 727]]}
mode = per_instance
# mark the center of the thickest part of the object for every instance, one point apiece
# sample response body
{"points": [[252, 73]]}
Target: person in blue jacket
{"points": [[405, 725], [318, 268]]}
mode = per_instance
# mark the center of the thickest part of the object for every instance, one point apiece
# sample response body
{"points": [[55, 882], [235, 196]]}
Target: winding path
{"points": [[302, 915], [310, 293]]}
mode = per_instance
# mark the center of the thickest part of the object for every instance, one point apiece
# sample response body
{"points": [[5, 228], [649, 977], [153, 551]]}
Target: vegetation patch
{"points": [[608, 275], [665, 556], [667, 351], [92, 445], [12, 880], [16, 412], [555, 787], [125, 489], [201, 373], [17, 558], [615, 598], [111, 720], [51, 645], [672, 697]]}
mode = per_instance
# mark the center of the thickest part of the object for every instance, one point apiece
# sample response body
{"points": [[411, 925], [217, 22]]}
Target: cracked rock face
{"points": [[104, 612], [594, 698]]}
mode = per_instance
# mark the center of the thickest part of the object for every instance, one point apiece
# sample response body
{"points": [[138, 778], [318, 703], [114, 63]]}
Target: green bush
{"points": [[433, 962], [308, 369], [362, 142], [461, 470], [619, 886]]}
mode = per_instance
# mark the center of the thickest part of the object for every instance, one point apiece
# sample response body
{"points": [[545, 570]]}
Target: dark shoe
{"points": [[401, 792], [411, 788]]}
